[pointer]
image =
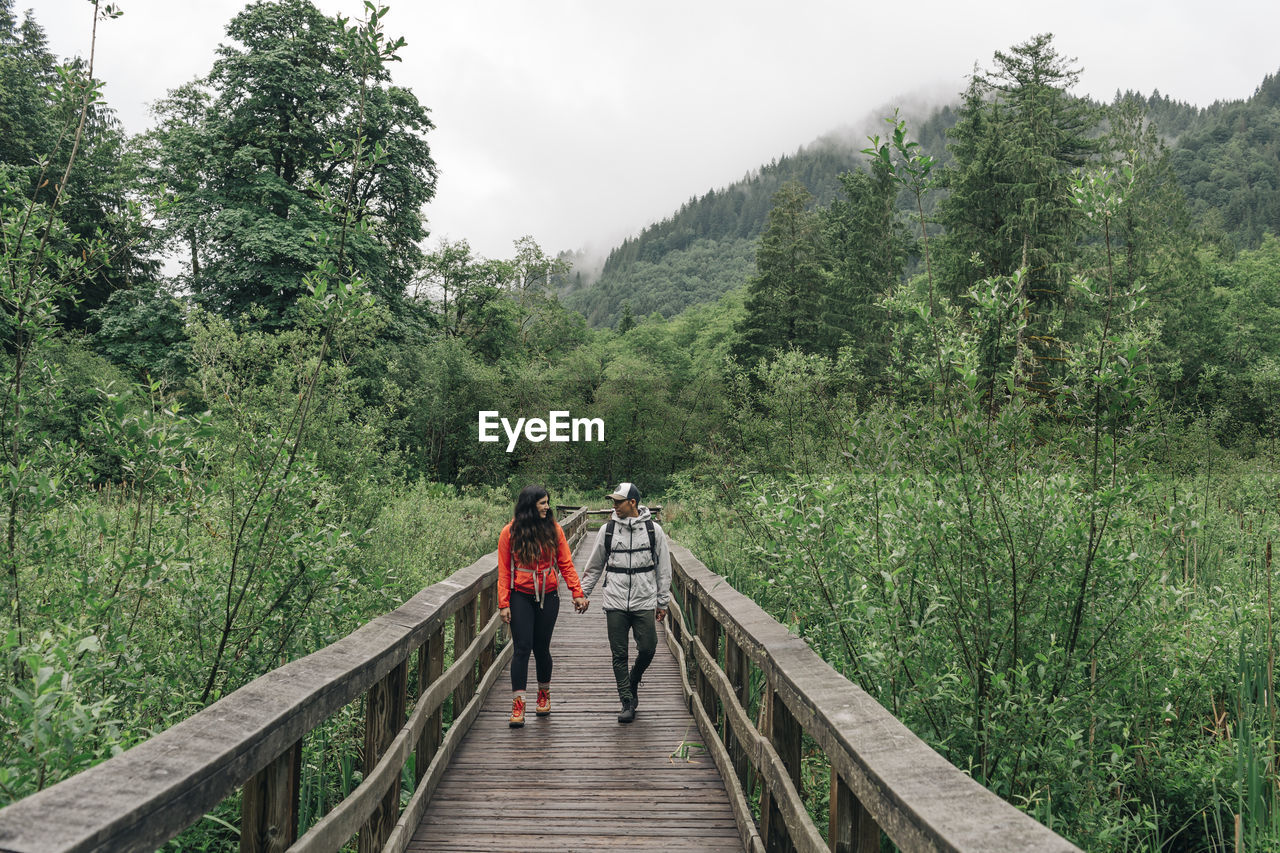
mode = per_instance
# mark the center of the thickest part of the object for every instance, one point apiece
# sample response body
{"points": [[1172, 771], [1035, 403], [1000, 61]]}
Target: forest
{"points": [[985, 408]]}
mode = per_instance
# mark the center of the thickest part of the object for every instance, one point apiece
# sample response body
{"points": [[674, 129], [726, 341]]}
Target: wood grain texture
{"points": [[578, 780], [269, 805]]}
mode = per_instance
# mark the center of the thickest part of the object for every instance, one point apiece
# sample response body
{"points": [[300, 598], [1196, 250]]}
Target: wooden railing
{"points": [[253, 738], [883, 777]]}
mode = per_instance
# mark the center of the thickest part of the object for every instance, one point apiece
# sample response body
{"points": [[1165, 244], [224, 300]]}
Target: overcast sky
{"points": [[581, 122]]}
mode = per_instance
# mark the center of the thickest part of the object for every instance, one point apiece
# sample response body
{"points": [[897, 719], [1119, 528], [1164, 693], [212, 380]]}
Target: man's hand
{"points": [[581, 604], [661, 613], [505, 613]]}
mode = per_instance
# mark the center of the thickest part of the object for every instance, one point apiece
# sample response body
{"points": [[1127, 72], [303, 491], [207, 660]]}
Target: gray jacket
{"points": [[630, 549]]}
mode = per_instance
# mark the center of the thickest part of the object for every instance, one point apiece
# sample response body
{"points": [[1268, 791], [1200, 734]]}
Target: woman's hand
{"points": [[581, 603], [505, 613]]}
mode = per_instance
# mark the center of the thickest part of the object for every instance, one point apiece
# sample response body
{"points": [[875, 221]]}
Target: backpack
{"points": [[652, 549]]}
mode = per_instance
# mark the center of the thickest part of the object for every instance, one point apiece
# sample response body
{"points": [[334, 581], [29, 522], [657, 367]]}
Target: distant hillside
{"points": [[1228, 161], [1226, 156], [708, 246]]}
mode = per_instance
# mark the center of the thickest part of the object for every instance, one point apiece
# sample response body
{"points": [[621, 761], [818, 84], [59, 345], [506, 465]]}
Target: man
{"points": [[631, 554]]}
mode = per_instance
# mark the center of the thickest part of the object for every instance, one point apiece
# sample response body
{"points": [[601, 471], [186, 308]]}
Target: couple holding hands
{"points": [[630, 554]]}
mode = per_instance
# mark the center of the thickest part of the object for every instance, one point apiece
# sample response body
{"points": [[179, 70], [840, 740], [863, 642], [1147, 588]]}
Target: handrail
{"points": [[883, 777], [655, 511], [149, 794]]}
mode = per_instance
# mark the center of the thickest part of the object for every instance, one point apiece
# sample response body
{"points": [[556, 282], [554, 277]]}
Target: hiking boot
{"points": [[543, 708], [628, 713], [635, 693], [517, 713]]}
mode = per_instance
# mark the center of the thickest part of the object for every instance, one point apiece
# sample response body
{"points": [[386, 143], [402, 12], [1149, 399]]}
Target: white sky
{"points": [[582, 122]]}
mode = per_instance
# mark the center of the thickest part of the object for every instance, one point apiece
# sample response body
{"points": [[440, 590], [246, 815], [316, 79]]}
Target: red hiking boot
{"points": [[517, 712], [543, 708]]}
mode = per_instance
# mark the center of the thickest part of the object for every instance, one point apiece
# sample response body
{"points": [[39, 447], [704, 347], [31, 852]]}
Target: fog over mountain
{"points": [[580, 123]]}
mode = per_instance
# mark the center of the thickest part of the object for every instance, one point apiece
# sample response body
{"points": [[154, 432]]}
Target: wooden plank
{"points": [[709, 637], [464, 629], [430, 667], [344, 820], [784, 735], [590, 781], [402, 834], [269, 805], [851, 828], [737, 671], [487, 604], [384, 715], [782, 811]]}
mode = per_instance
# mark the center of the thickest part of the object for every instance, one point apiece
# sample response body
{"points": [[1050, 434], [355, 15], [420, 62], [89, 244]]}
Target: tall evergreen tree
{"points": [[1019, 136], [867, 249], [785, 298]]}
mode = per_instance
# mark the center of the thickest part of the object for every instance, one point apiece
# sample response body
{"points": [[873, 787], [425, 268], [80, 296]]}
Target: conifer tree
{"points": [[1019, 137], [867, 248], [785, 298]]}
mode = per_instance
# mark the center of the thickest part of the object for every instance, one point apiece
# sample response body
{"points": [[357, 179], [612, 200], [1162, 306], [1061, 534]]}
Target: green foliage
{"points": [[52, 725], [784, 298], [1228, 165], [144, 330], [698, 254], [296, 133], [700, 272]]}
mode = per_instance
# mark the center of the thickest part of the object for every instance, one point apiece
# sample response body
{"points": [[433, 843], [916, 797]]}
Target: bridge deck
{"points": [[578, 780]]}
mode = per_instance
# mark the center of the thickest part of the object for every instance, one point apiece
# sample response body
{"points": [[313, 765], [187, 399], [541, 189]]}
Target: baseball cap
{"points": [[625, 492]]}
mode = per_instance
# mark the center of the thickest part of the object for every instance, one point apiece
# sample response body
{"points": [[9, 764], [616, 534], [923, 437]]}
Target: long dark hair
{"points": [[532, 537]]}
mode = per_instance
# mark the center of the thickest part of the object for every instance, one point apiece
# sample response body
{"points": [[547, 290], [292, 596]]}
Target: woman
{"points": [[533, 544]]}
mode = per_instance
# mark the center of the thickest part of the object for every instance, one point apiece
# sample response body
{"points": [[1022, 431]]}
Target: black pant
{"points": [[641, 623], [531, 628]]}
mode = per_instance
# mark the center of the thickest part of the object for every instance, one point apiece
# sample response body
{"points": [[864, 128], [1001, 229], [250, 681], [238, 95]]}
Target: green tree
{"points": [[42, 119], [867, 249], [627, 321], [784, 299], [253, 144], [1019, 137]]}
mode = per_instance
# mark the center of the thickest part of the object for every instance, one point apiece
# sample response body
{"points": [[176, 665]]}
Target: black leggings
{"points": [[531, 628]]}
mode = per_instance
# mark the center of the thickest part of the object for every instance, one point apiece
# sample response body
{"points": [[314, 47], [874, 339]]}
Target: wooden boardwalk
{"points": [[579, 780]]}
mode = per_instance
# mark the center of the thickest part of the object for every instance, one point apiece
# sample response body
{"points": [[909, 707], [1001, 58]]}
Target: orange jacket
{"points": [[524, 574]]}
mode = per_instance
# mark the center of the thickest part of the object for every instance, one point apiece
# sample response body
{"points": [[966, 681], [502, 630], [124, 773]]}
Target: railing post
{"points": [[851, 828], [464, 631], [430, 668], [709, 634], [688, 606], [488, 604], [737, 670], [384, 716], [785, 734], [269, 805]]}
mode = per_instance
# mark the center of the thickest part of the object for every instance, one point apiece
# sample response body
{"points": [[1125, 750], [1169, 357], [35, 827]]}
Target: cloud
{"points": [[581, 122]]}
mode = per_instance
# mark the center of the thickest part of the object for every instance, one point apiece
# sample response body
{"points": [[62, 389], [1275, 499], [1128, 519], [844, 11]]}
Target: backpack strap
{"points": [[653, 543], [608, 548], [608, 539]]}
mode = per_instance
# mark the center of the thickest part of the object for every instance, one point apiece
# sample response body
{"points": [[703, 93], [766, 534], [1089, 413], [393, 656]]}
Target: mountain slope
{"points": [[1226, 157]]}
